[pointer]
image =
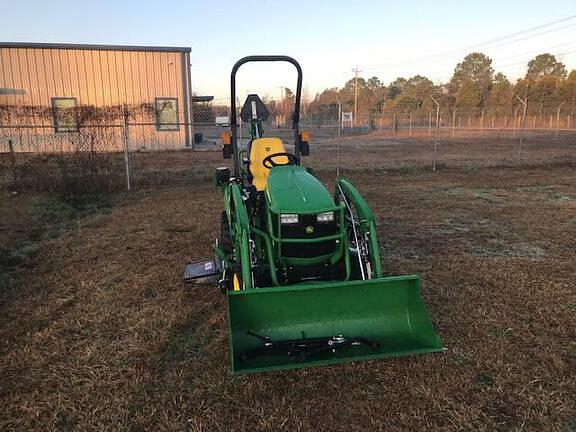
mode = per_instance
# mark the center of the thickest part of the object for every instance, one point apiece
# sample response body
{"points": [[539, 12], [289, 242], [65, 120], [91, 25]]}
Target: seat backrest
{"points": [[262, 147]]}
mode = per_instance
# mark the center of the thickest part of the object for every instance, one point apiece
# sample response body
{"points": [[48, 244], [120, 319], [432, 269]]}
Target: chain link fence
{"points": [[125, 148]]}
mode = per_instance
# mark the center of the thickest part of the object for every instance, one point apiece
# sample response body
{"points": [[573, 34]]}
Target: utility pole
{"points": [[355, 70]]}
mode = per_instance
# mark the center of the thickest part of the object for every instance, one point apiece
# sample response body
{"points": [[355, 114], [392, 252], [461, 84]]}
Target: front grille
{"points": [[301, 230]]}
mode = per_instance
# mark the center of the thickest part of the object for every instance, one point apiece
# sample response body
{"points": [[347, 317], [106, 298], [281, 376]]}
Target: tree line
{"points": [[473, 88]]}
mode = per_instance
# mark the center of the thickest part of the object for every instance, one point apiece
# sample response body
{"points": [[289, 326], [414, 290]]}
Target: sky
{"points": [[387, 39]]}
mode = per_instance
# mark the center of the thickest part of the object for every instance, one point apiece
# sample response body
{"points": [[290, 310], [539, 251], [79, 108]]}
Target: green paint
{"points": [[291, 189]]}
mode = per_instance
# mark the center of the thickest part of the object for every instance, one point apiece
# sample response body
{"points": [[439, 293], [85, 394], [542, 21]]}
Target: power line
{"points": [[524, 62], [413, 63], [534, 35], [502, 39], [540, 50], [545, 49], [522, 32], [444, 78]]}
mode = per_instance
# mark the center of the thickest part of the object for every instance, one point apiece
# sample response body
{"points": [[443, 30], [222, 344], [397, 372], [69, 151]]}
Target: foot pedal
{"points": [[202, 271]]}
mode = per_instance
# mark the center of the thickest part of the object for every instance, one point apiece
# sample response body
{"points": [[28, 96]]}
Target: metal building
{"points": [[64, 89]]}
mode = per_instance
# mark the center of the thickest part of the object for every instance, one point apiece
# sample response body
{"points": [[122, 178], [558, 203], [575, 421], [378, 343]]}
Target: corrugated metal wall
{"points": [[100, 78]]}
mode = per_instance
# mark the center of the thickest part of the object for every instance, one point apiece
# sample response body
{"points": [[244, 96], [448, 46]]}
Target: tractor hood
{"points": [[292, 189]]}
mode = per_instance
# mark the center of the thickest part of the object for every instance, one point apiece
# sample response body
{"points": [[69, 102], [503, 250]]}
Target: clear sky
{"points": [[386, 39]]}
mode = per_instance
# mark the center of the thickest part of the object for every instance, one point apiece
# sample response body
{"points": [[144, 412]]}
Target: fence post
{"points": [[453, 122], [525, 103], [429, 122], [482, 123], [410, 125], [394, 124], [558, 120], [515, 123], [436, 133], [126, 142], [12, 160]]}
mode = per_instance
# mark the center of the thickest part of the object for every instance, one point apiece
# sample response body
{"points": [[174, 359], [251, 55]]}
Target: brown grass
{"points": [[100, 334]]}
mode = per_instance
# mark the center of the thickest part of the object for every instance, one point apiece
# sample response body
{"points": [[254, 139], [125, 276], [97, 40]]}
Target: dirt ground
{"points": [[97, 332]]}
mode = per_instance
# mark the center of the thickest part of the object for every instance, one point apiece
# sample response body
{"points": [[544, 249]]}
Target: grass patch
{"points": [[559, 197], [185, 342], [484, 379], [501, 333], [19, 255], [62, 211], [51, 216], [541, 189], [487, 195]]}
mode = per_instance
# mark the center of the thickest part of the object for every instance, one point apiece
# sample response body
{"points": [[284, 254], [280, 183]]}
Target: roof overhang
{"points": [[71, 46], [202, 98]]}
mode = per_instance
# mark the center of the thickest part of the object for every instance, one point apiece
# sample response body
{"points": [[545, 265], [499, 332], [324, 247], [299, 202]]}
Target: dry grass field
{"points": [[97, 332]]}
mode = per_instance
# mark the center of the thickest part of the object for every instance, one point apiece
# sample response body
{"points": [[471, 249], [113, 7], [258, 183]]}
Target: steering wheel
{"points": [[269, 161]]}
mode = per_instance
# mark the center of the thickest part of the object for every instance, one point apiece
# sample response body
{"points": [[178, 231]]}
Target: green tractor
{"points": [[300, 266]]}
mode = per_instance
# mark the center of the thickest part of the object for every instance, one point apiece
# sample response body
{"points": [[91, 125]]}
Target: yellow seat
{"points": [[260, 149]]}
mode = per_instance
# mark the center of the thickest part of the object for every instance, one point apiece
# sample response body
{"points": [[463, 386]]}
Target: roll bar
{"points": [[295, 114]]}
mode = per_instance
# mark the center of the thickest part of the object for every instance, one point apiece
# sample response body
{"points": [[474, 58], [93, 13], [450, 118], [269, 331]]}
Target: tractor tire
{"points": [[225, 238]]}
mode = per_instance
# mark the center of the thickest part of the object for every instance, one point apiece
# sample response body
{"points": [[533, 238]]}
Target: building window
{"points": [[64, 114], [167, 114]]}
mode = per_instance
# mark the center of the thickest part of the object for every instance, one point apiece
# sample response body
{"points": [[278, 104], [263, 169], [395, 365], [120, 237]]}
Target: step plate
{"points": [[201, 271]]}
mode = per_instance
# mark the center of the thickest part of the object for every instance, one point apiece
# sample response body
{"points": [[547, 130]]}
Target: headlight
{"points": [[288, 219], [325, 217]]}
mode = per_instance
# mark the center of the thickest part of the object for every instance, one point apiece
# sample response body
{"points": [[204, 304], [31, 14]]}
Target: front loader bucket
{"points": [[388, 313]]}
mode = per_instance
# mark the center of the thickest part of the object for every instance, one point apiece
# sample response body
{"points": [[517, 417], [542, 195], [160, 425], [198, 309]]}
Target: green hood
{"points": [[292, 189]]}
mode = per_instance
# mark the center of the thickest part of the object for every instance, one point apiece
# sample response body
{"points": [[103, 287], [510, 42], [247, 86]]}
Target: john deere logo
{"points": [[309, 229]]}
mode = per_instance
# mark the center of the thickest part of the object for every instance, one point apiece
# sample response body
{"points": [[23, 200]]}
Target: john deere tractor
{"points": [[300, 266]]}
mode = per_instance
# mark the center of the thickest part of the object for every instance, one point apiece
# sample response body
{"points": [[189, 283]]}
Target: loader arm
{"points": [[240, 232], [366, 219]]}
